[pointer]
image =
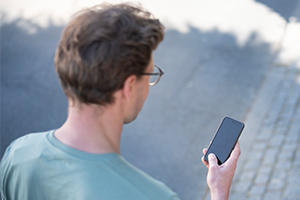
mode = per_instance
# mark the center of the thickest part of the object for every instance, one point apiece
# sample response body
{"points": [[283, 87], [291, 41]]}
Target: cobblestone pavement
{"points": [[269, 164]]}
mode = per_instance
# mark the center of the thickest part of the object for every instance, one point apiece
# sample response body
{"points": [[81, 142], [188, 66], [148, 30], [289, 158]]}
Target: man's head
{"points": [[105, 47]]}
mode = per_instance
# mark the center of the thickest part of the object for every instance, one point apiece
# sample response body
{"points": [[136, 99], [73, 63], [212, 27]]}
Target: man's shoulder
{"points": [[24, 146], [110, 174], [30, 138]]}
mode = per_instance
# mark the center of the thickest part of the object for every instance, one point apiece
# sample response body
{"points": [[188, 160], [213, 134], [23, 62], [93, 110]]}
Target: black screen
{"points": [[225, 139]]}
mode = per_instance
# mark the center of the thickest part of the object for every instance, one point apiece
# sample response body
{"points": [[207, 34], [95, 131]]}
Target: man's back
{"points": [[38, 166]]}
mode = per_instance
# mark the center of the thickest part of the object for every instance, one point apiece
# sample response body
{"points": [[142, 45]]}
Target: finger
{"points": [[234, 156], [213, 162], [236, 151], [204, 151], [204, 162]]}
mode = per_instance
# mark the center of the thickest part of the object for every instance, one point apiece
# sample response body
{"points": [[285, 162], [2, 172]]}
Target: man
{"points": [[105, 65]]}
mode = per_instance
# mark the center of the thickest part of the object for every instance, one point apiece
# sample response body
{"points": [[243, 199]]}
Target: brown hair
{"points": [[101, 47]]}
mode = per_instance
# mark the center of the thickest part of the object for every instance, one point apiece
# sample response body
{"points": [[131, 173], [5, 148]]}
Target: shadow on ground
{"points": [[207, 75]]}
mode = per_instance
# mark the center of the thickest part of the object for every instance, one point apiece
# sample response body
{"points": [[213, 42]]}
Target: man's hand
{"points": [[219, 178]]}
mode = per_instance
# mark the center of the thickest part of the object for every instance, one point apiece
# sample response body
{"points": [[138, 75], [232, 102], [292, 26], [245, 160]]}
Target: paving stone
{"points": [[261, 179], [295, 126], [265, 169], [252, 165], [283, 123], [267, 161], [265, 134], [279, 101], [255, 197], [237, 196], [298, 152], [276, 140], [292, 139], [259, 146], [272, 195], [257, 190], [276, 184], [296, 163], [270, 156], [240, 165], [272, 151], [247, 175], [243, 186], [280, 173], [255, 155], [288, 111], [292, 192], [289, 146], [239, 169], [286, 154], [293, 178], [283, 165]]}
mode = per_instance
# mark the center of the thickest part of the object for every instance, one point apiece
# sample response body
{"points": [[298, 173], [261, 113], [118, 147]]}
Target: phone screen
{"points": [[225, 139]]}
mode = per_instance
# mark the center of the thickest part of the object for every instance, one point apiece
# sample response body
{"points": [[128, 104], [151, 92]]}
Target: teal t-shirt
{"points": [[39, 167]]}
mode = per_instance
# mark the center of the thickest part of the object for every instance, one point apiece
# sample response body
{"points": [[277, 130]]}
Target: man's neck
{"points": [[92, 129]]}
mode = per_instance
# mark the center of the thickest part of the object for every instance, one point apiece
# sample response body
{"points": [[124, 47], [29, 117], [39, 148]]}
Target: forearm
{"points": [[218, 195], [219, 178]]}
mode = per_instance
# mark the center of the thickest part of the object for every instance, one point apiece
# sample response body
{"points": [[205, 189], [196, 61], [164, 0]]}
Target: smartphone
{"points": [[225, 139]]}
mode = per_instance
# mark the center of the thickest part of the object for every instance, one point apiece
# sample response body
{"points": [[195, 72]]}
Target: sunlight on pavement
{"points": [[241, 18], [290, 52]]}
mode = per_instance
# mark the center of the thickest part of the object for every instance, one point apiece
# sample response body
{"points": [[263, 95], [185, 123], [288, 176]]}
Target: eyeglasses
{"points": [[154, 76]]}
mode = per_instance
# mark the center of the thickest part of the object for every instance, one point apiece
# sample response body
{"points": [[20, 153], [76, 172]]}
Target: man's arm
{"points": [[219, 177]]}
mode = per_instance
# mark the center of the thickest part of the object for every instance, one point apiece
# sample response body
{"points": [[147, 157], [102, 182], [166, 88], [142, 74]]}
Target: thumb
{"points": [[212, 160]]}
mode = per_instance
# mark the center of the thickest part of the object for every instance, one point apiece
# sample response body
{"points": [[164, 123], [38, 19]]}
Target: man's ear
{"points": [[129, 86]]}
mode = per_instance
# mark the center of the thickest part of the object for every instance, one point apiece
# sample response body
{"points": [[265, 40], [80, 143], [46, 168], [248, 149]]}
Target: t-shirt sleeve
{"points": [[4, 167], [4, 170]]}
